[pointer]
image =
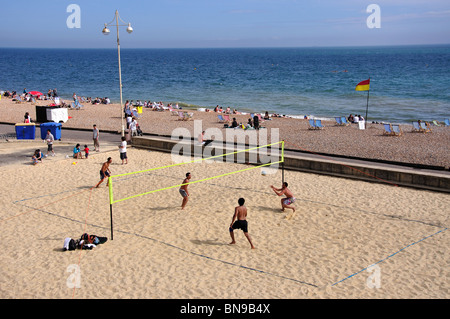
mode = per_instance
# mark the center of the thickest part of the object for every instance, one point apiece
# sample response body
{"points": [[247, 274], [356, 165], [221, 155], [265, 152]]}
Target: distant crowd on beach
{"points": [[52, 95], [130, 105]]}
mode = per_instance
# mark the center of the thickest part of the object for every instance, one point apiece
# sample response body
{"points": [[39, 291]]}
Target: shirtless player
{"points": [[285, 202], [105, 172], [240, 213], [184, 190]]}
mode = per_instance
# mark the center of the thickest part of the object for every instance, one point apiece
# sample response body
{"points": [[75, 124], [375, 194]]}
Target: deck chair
{"points": [[388, 129], [188, 116], [227, 118], [174, 113], [425, 127], [19, 99], [260, 118], [416, 127], [447, 122], [436, 123], [180, 116], [396, 130], [221, 119], [319, 125], [76, 105], [338, 121], [312, 124], [344, 121], [136, 114]]}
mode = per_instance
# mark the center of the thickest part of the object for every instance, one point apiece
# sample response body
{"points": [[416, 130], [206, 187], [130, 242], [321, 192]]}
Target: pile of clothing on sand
{"points": [[86, 241]]}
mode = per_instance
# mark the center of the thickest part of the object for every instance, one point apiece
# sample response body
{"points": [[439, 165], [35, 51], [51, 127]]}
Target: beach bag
{"points": [[69, 244]]}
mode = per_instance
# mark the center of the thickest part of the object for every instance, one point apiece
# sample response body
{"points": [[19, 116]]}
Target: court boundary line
{"points": [[390, 256]]}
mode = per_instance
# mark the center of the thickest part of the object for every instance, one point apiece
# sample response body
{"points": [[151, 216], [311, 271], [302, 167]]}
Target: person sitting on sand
{"points": [[239, 221], [105, 172], [37, 157], [288, 200], [77, 152]]}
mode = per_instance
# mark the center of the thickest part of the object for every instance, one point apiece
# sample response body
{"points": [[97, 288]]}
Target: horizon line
{"points": [[237, 47]]}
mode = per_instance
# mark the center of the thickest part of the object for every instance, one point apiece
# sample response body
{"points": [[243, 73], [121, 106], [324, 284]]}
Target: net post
{"points": [[111, 217], [282, 161], [110, 204]]}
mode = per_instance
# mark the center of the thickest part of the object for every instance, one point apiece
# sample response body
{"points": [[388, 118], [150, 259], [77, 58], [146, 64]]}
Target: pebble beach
{"points": [[411, 147]]}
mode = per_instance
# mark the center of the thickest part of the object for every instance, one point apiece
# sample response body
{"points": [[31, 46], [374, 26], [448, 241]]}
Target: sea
{"points": [[407, 83]]}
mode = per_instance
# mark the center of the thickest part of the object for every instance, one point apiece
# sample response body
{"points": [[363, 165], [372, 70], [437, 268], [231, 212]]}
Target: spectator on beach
{"points": [[249, 123], [86, 151], [95, 137], [234, 123], [129, 119], [55, 93], [266, 116], [123, 150], [27, 118], [133, 126], [356, 119], [37, 157], [350, 118], [256, 122], [77, 152], [201, 139], [49, 138], [216, 109]]}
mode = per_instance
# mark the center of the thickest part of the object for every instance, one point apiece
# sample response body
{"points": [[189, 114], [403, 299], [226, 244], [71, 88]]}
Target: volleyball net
{"points": [[132, 185]]}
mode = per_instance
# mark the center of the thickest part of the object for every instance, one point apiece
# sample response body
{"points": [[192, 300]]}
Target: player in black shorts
{"points": [[239, 221]]}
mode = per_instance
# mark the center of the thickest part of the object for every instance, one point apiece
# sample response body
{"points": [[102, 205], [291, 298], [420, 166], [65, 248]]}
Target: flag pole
{"points": [[367, 107]]}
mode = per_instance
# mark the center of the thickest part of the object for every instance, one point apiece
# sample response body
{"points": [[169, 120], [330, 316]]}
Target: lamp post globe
{"points": [[129, 28], [105, 30]]}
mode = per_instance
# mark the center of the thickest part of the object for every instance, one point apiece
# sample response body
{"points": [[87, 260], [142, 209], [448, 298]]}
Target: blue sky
{"points": [[224, 23]]}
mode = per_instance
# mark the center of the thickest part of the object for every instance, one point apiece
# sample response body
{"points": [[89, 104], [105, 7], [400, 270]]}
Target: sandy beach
{"points": [[346, 239]]}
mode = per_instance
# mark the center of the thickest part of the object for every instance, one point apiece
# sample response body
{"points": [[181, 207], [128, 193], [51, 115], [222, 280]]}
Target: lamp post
{"points": [[106, 32]]}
